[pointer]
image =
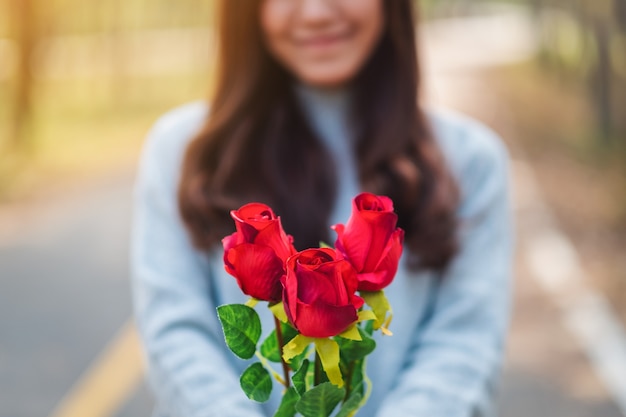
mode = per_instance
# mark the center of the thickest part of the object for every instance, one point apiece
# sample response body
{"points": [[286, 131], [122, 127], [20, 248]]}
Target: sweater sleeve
{"points": [[181, 335], [455, 356]]}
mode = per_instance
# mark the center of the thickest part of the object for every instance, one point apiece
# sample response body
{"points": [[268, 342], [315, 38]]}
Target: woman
{"points": [[316, 101]]}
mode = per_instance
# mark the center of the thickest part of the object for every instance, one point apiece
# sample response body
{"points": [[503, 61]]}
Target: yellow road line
{"points": [[109, 381]]}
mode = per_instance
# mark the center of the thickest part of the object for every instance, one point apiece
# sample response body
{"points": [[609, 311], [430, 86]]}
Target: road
{"points": [[64, 290], [66, 348]]}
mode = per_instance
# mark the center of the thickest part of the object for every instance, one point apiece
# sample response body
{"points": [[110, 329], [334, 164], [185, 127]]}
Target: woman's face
{"points": [[323, 43]]}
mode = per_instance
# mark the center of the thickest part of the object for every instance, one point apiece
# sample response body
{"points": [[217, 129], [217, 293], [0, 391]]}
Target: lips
{"points": [[322, 41]]}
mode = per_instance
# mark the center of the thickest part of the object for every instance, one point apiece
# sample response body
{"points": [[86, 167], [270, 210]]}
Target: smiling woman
{"points": [[326, 44], [316, 101], [271, 127]]}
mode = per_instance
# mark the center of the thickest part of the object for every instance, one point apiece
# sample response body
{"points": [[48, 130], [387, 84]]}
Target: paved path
{"points": [[64, 291], [65, 343], [547, 372], [560, 322]]}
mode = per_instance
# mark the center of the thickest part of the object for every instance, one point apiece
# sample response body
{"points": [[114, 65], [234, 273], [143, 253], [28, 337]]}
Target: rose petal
{"points": [[257, 270], [254, 213], [387, 266], [372, 281], [373, 202], [326, 284], [357, 301], [275, 237], [349, 276], [314, 286], [323, 320], [382, 228], [355, 241], [365, 236], [248, 233], [319, 292], [320, 278], [290, 295], [251, 218], [316, 256], [229, 242]]}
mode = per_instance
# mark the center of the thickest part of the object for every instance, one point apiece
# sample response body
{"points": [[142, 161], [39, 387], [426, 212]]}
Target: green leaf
{"points": [[351, 333], [287, 407], [320, 401], [349, 407], [379, 304], [352, 350], [299, 377], [359, 388], [328, 351], [366, 315], [310, 376], [269, 348], [256, 382], [242, 328], [296, 346], [296, 361]]}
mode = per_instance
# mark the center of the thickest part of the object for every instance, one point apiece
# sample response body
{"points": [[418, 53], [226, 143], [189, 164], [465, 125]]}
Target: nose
{"points": [[316, 11]]}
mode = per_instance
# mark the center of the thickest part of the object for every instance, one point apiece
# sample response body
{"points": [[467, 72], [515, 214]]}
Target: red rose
{"points": [[256, 253], [319, 293], [371, 241]]}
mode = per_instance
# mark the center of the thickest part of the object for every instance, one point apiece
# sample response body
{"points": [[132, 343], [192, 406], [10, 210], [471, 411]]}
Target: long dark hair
{"points": [[256, 144]]}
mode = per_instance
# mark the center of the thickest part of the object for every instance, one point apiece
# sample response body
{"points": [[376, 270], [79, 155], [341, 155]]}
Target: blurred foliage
{"points": [[81, 82], [86, 77], [581, 42], [434, 9], [584, 41]]}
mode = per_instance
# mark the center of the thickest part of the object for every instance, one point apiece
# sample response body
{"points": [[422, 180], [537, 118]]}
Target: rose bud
{"points": [[371, 241], [257, 223], [256, 253], [319, 293]]}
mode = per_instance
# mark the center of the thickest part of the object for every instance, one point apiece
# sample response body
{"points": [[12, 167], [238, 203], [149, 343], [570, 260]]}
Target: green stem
{"points": [[368, 384], [349, 379], [281, 344], [317, 376]]}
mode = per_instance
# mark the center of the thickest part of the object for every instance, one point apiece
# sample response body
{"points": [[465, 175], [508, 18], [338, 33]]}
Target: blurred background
{"points": [[82, 82]]}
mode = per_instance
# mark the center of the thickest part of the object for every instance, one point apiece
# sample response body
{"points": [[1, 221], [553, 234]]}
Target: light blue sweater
{"points": [[444, 357]]}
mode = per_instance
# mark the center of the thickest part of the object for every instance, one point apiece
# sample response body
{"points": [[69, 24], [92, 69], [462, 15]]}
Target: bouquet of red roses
{"points": [[317, 296]]}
